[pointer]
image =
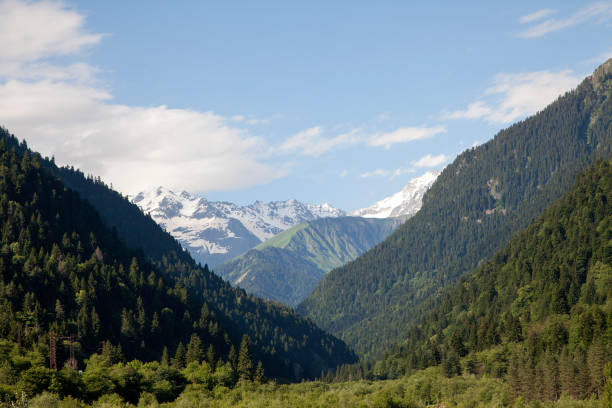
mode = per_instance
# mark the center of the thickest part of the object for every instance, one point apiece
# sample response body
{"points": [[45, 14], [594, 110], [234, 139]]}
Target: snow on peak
{"points": [[406, 202], [217, 231]]}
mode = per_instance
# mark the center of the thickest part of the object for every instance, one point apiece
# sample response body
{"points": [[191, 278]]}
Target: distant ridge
{"points": [[287, 267], [215, 232]]}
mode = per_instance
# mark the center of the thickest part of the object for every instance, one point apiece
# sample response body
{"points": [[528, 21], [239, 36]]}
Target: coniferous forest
{"points": [[498, 293], [64, 271], [484, 197]]}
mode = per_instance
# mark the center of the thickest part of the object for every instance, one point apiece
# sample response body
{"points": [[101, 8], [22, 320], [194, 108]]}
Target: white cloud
{"points": [[133, 147], [343, 173], [594, 12], [401, 171], [430, 160], [513, 96], [537, 15], [474, 110], [61, 111], [403, 135], [375, 173], [427, 161], [248, 120], [31, 31], [311, 142]]}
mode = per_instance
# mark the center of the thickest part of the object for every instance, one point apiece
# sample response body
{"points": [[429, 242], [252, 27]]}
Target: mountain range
{"points": [[474, 207], [287, 267], [505, 273], [215, 232]]}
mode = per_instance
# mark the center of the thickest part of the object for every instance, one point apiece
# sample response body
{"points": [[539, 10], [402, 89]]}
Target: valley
{"points": [[297, 204]]}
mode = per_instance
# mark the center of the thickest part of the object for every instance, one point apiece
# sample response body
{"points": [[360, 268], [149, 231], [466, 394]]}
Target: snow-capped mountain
{"points": [[403, 203], [214, 232]]}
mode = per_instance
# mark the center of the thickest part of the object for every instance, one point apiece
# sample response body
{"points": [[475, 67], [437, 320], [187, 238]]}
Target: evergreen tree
{"points": [[210, 356], [179, 357], [260, 376], [195, 352], [164, 358], [245, 360]]}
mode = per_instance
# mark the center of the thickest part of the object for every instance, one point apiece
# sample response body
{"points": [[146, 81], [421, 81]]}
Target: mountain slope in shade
{"points": [[475, 206], [287, 267], [214, 232], [175, 291], [403, 203]]}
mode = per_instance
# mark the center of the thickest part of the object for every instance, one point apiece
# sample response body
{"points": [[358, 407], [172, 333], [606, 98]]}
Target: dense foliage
{"points": [[428, 388], [478, 202], [538, 314], [288, 266], [63, 270]]}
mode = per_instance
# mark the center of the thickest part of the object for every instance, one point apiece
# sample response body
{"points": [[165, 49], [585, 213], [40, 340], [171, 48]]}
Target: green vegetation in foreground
{"points": [[427, 388]]}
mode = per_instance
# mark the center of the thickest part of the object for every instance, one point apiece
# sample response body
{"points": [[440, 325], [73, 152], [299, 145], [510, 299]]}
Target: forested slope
{"points": [[478, 202], [63, 269], [546, 297]]}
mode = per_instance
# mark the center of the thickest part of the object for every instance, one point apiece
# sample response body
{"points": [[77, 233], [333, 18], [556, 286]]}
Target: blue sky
{"points": [[341, 102]]}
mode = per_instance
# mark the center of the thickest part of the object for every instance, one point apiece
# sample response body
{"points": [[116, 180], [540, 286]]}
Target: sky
{"points": [[341, 102]]}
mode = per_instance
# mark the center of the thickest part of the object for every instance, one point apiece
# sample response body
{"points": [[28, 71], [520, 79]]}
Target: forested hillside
{"points": [[546, 298], [478, 202], [62, 269], [287, 267]]}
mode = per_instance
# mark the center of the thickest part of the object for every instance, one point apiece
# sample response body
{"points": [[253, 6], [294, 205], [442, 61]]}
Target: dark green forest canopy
{"points": [[478, 202], [63, 269], [547, 297]]}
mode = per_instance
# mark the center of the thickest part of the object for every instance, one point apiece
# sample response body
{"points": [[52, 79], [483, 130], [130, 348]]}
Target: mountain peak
{"points": [[602, 74], [406, 202], [214, 232]]}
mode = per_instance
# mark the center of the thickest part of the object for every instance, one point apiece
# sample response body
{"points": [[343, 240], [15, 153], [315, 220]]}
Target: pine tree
{"points": [[260, 376], [596, 359], [232, 358], [195, 352], [451, 366], [164, 358], [245, 360], [179, 357], [210, 356]]}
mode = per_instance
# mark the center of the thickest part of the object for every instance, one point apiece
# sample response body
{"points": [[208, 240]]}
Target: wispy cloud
{"points": [[404, 135], [537, 15], [601, 58], [427, 161], [514, 96], [62, 111], [375, 173], [312, 142], [594, 12], [431, 160]]}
